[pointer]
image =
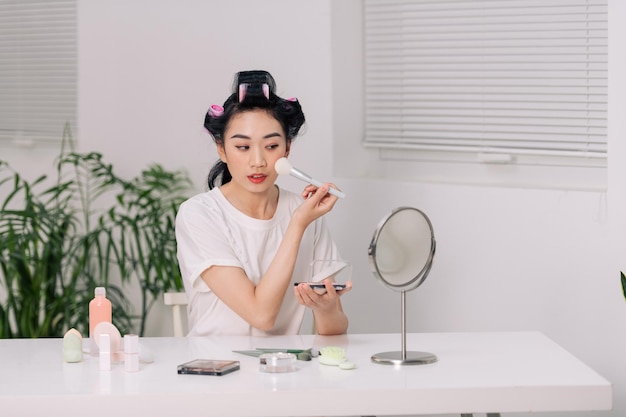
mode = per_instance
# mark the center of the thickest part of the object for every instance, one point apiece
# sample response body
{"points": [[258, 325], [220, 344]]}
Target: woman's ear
{"points": [[221, 152], [288, 148]]}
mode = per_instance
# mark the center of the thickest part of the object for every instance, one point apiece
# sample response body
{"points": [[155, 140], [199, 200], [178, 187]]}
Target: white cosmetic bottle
{"points": [[131, 352], [105, 352]]}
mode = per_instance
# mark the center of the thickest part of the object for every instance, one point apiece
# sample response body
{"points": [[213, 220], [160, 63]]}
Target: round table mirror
{"points": [[401, 254]]}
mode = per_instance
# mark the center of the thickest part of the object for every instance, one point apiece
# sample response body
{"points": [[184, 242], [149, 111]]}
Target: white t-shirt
{"points": [[211, 231]]}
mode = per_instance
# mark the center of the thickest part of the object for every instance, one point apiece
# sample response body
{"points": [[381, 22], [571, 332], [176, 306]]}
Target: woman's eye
{"points": [[242, 147], [272, 146]]}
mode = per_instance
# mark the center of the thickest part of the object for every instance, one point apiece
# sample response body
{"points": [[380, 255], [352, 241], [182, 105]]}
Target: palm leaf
{"points": [[61, 237]]}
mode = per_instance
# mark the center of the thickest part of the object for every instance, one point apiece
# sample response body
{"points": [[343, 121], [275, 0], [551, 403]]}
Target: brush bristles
{"points": [[282, 166]]}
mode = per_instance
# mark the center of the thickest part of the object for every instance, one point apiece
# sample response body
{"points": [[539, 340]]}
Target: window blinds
{"points": [[38, 69], [502, 76]]}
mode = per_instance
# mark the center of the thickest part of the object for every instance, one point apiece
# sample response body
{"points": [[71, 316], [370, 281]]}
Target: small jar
{"points": [[277, 362]]}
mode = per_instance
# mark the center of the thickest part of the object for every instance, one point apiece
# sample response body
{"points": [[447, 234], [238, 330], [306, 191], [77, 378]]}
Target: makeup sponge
{"points": [[72, 346]]}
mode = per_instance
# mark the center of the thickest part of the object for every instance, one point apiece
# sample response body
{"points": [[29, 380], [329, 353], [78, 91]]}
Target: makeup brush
{"points": [[283, 167]]}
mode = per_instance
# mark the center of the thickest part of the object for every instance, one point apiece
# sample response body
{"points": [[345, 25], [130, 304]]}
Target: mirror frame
{"points": [[420, 277]]}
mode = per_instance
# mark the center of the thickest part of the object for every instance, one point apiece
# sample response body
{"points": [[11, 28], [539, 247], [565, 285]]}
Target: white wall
{"points": [[507, 259]]}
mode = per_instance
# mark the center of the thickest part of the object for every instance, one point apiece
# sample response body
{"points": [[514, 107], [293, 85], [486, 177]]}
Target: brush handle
{"points": [[306, 178]]}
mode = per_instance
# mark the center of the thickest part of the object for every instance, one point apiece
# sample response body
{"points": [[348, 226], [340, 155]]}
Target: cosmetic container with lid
{"points": [[105, 352], [277, 362], [131, 352]]}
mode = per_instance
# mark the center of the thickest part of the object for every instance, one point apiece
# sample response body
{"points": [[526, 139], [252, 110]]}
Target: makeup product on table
{"points": [[99, 311], [72, 346], [131, 352], [115, 339], [105, 352], [208, 367], [300, 354], [277, 362], [335, 356]]}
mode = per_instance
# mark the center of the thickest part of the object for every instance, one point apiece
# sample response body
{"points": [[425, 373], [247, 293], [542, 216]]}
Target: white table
{"points": [[475, 373]]}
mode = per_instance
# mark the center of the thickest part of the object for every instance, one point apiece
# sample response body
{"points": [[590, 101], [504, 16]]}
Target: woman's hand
{"points": [[329, 316], [307, 296], [317, 202]]}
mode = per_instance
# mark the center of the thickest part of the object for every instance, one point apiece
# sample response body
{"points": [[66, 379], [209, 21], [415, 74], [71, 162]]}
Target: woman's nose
{"points": [[258, 159]]}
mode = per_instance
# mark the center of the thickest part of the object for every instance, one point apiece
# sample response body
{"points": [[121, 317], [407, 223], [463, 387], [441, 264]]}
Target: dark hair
{"points": [[251, 90]]}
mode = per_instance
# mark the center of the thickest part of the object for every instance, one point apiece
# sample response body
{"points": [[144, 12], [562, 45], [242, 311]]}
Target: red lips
{"points": [[257, 178]]}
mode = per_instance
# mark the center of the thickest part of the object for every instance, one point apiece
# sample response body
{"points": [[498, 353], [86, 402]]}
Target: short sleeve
{"points": [[202, 240]]}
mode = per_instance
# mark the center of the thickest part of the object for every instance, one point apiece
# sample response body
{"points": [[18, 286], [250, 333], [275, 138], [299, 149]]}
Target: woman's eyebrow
{"points": [[272, 135], [268, 136], [239, 136]]}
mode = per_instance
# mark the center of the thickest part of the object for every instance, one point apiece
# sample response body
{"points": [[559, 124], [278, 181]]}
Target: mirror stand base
{"points": [[410, 358]]}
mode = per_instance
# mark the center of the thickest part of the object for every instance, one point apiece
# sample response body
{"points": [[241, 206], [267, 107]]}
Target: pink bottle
{"points": [[99, 311]]}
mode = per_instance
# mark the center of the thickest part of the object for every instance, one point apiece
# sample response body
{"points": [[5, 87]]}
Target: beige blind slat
{"points": [[38, 69], [500, 75]]}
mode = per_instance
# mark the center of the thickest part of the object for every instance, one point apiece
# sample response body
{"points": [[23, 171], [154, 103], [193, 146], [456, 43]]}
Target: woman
{"points": [[245, 242]]}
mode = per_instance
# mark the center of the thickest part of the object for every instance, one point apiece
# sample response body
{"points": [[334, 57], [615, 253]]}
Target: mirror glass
{"points": [[402, 249]]}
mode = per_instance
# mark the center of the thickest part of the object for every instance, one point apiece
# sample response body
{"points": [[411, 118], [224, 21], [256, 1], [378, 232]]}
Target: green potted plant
{"points": [[143, 241], [61, 237]]}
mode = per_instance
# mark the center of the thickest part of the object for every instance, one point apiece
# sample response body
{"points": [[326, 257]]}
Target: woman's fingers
{"points": [[309, 297]]}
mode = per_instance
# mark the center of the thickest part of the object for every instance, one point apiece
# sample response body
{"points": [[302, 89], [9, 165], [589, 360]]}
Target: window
{"points": [[38, 70], [498, 82]]}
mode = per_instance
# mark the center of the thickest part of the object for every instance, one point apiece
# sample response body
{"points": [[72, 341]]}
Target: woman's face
{"points": [[253, 142]]}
